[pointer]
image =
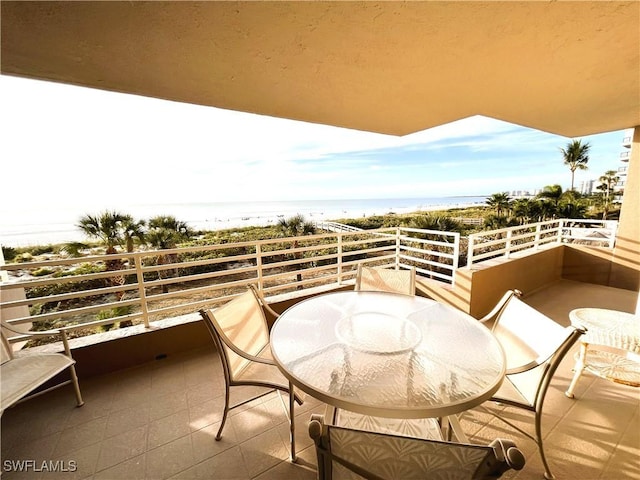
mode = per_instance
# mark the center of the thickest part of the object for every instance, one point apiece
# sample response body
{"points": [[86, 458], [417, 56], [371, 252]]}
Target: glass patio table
{"points": [[388, 355]]}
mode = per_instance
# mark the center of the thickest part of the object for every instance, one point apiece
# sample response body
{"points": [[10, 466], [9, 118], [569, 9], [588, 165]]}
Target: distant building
{"points": [[586, 187], [625, 155]]}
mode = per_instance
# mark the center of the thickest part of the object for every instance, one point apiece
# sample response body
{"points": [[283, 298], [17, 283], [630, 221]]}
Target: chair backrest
{"points": [[534, 345], [386, 280], [372, 455], [238, 326]]}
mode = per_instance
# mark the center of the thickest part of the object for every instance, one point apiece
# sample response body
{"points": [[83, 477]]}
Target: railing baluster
{"points": [[470, 246], [141, 289], [560, 232], [259, 266], [339, 237], [398, 248]]}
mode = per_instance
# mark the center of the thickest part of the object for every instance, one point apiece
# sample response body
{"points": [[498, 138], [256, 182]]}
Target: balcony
{"points": [[154, 394]]}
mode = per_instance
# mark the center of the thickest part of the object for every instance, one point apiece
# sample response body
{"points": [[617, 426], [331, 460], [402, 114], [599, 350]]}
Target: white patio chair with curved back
{"points": [[386, 280], [240, 332], [534, 346], [23, 375], [347, 453]]}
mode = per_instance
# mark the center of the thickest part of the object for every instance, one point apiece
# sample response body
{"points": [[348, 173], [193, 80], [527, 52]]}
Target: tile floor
{"points": [[158, 421]]}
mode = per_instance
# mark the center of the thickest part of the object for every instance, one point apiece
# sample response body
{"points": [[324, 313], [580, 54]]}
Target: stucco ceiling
{"points": [[570, 68]]}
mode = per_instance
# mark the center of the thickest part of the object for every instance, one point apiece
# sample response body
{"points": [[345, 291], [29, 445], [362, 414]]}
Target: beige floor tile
{"points": [[263, 451], [81, 435], [169, 459], [205, 444], [205, 391], [252, 422], [38, 449], [76, 465], [168, 404], [122, 447], [167, 429], [132, 469], [206, 413], [228, 465], [121, 421], [303, 469]]}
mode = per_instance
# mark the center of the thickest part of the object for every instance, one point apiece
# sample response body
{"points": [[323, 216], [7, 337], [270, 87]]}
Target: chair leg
{"points": [[224, 414], [76, 386], [292, 423], [547, 471], [578, 369]]}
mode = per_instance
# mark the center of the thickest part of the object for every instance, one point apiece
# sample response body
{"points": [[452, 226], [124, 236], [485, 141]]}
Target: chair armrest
{"points": [[242, 353], [263, 301], [500, 305], [44, 333]]}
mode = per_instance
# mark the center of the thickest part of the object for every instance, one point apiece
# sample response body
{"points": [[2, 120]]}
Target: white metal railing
{"points": [[505, 242], [336, 227], [80, 294], [469, 220]]}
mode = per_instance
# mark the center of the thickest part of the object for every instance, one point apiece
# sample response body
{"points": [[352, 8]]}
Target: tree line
{"points": [[554, 202]]}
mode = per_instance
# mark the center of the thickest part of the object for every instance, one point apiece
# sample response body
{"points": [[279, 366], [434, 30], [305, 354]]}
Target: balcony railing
{"points": [[82, 294], [508, 241]]}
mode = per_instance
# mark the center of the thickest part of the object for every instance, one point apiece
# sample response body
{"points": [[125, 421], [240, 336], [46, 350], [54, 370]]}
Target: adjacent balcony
{"points": [[154, 391]]}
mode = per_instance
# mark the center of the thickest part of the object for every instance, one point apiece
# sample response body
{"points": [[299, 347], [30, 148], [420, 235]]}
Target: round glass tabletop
{"points": [[387, 355]]}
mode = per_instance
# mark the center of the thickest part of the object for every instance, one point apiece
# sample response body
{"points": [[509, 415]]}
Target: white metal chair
{"points": [[347, 453], [386, 280], [534, 346], [22, 375], [241, 335]]}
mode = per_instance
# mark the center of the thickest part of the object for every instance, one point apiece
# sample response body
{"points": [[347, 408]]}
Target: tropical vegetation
{"points": [[576, 157]]}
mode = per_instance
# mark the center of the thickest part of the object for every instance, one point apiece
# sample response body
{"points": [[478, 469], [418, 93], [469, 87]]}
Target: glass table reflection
{"points": [[387, 355]]}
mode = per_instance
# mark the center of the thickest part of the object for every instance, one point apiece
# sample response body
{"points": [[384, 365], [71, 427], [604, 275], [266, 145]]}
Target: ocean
{"points": [[20, 227]]}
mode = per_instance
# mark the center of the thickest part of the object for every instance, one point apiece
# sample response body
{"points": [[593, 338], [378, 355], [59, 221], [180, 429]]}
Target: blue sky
{"points": [[67, 143]]}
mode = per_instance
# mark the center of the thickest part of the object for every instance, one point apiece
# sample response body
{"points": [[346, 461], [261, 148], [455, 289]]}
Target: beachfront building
{"points": [[569, 68], [625, 156]]}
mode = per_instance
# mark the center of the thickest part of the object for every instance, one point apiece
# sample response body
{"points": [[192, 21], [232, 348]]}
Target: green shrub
{"points": [[41, 272], [113, 313], [9, 253]]}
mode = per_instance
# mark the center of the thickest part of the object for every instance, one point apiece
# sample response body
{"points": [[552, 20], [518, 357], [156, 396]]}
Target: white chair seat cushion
{"points": [[426, 428], [21, 375]]}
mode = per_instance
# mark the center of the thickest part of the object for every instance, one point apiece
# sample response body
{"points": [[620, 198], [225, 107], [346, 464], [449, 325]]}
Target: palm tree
{"points": [[435, 222], [132, 231], [551, 196], [524, 209], [108, 228], [500, 201], [166, 232], [607, 182], [576, 157], [296, 226]]}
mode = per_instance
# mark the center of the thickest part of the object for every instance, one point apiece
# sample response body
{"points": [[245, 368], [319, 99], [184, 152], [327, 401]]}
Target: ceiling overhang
{"points": [[570, 68]]}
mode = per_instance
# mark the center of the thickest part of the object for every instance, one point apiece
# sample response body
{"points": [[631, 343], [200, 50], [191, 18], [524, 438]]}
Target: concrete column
{"points": [[625, 268]]}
